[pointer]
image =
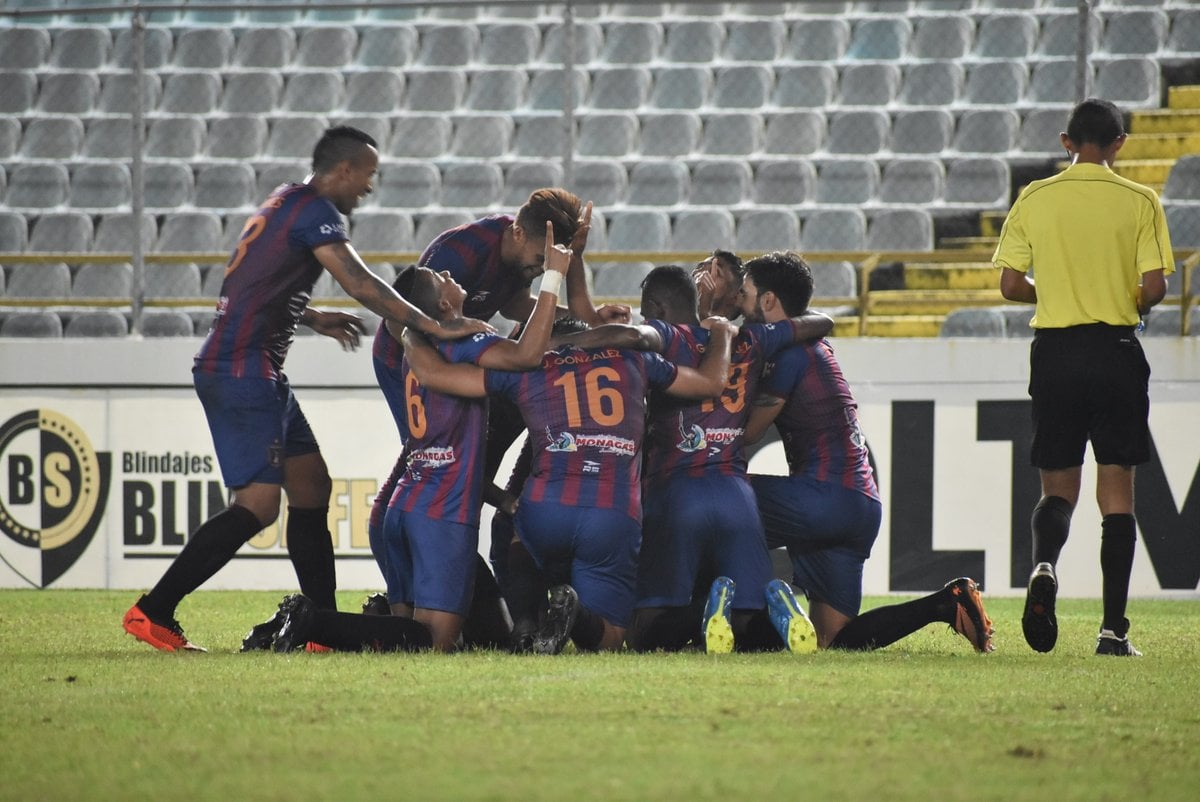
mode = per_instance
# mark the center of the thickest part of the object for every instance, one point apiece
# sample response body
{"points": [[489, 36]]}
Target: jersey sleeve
{"points": [[319, 223], [1013, 250], [1154, 243], [773, 337], [665, 330], [468, 349], [781, 375], [659, 372], [500, 382]]}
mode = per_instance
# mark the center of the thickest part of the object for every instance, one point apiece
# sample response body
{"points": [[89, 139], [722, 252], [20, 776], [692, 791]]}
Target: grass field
{"points": [[88, 713]]}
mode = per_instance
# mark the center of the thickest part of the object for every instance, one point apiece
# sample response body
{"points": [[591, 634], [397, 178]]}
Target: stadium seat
{"points": [[588, 37], [1053, 82], [410, 184], [834, 230], [621, 279], [848, 182], [176, 137], [68, 92], [611, 134], [901, 230], [983, 182], [868, 84], [10, 137], [203, 48], [693, 41], [1006, 36], [510, 44], [167, 185], [858, 132], [18, 92], [195, 92], [211, 281], [32, 324], [294, 137], [1130, 82], [434, 223], [266, 47], [419, 136], [118, 93], [52, 138], [108, 138], [318, 92], [497, 90], [817, 39], [225, 186], [156, 49], [1016, 320], [974, 322], [548, 90], [481, 136], [1183, 221], [720, 183], [326, 46], [1139, 32], [172, 280], [1164, 321], [46, 280], [790, 182], [834, 280], [114, 233], [702, 230], [80, 48], [100, 185], [658, 183], [436, 90], [648, 230], [605, 183], [755, 40], [620, 88], [37, 186], [1040, 131], [681, 87], [765, 230], [62, 232], [1184, 38], [943, 37], [672, 134], [598, 234], [1060, 34], [189, 232], [376, 126], [912, 181], [987, 131], [631, 42], [521, 179], [234, 223], [14, 231], [879, 38], [732, 134], [97, 323], [447, 45], [387, 47], [1183, 182], [743, 86], [24, 47], [798, 133], [805, 86], [544, 137], [932, 83], [237, 137], [997, 83], [167, 323]]}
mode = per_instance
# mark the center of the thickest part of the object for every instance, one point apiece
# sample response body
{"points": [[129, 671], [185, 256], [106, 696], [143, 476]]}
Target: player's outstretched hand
{"points": [[579, 241], [558, 257], [706, 288], [464, 327], [716, 322], [344, 327]]}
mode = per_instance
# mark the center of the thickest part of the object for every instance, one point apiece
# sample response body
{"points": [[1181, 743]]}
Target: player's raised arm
{"points": [[708, 379], [344, 327], [437, 374], [614, 335]]}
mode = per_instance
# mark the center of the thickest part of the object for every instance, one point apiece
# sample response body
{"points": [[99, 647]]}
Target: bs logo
{"points": [[53, 487]]}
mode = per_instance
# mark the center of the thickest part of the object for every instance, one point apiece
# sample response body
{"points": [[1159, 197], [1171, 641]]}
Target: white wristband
{"points": [[551, 282]]}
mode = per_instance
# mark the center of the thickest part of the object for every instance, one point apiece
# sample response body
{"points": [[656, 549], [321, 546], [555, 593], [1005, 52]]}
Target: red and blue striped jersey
{"points": [[443, 474], [819, 420], [585, 410], [268, 283], [387, 355], [471, 253], [701, 438]]}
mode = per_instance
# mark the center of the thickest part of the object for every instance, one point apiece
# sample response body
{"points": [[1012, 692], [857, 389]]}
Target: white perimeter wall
{"points": [[940, 417]]}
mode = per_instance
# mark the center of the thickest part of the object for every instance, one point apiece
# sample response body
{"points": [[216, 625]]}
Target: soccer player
{"points": [[826, 511], [581, 506], [700, 512], [1100, 246], [718, 279], [263, 442]]}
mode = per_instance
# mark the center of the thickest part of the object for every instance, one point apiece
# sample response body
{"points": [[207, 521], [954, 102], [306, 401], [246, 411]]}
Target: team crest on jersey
{"points": [[562, 442], [691, 439]]}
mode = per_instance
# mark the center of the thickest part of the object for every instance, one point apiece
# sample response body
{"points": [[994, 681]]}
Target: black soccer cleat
{"points": [[1039, 622], [376, 604], [260, 637], [1109, 643], [555, 630], [297, 611]]}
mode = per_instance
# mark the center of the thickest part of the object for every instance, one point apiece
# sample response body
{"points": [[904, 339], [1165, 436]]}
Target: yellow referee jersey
{"points": [[1088, 234]]}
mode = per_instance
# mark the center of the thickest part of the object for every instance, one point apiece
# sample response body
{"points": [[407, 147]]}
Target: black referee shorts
{"points": [[1089, 383]]}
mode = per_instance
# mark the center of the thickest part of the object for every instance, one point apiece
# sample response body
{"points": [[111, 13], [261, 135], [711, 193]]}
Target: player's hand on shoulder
{"points": [[615, 313], [463, 328], [718, 323], [344, 327]]}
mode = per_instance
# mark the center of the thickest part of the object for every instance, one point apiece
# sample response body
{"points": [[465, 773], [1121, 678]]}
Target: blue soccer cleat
{"points": [[789, 619], [717, 624]]}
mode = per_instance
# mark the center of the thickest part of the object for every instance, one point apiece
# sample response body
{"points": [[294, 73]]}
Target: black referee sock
{"points": [[883, 626], [588, 630], [669, 629], [354, 632], [1117, 539], [754, 632], [524, 587], [487, 625], [1051, 523], [311, 551], [207, 551]]}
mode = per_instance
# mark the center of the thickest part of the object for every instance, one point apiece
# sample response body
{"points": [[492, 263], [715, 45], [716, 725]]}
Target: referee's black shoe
{"points": [[1039, 622], [555, 630], [260, 636], [297, 613]]}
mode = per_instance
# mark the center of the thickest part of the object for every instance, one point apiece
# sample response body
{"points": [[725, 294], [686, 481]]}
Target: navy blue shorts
{"points": [[828, 531], [430, 563], [600, 545], [695, 525], [256, 424], [1089, 383]]}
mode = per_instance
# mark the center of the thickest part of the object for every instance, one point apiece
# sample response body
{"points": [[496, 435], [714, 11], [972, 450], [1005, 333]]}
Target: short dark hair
{"points": [[568, 325], [1095, 121], [733, 260], [342, 143], [786, 274], [416, 290], [671, 286], [556, 205]]}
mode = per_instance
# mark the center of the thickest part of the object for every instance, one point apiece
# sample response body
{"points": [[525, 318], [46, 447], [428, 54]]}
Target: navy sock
{"points": [[588, 630], [882, 626], [207, 551], [311, 551], [1051, 523], [754, 632], [669, 629], [1117, 539]]}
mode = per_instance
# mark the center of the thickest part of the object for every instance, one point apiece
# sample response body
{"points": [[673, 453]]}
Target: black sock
{"points": [[487, 625], [311, 551], [882, 626], [754, 632], [354, 632], [208, 550], [1051, 523], [524, 588], [588, 630], [1117, 539], [669, 629]]}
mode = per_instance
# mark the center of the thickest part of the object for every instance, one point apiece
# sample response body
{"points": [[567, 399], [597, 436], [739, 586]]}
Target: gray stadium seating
{"points": [[196, 92], [901, 230], [548, 89], [318, 92], [156, 51], [481, 136], [417, 136], [24, 47], [100, 185], [1040, 131], [858, 132], [450, 45], [639, 231], [942, 37], [799, 133], [1184, 38], [203, 48], [671, 134], [32, 324], [702, 230], [97, 323], [743, 86], [326, 46], [176, 137], [18, 92], [225, 186], [544, 137], [732, 134], [658, 183], [1006, 36], [189, 232], [791, 182], [879, 38], [997, 83], [1183, 182], [720, 183], [167, 323], [10, 137], [693, 41], [981, 182], [987, 131], [497, 90], [80, 48], [172, 281], [436, 90], [763, 230], [388, 46], [52, 138], [848, 182], [1135, 32], [805, 86], [912, 181], [37, 186], [14, 231], [511, 44], [168, 185], [48, 280], [434, 223], [294, 137], [755, 40], [1130, 82], [818, 39], [68, 92], [118, 93], [605, 183], [681, 87], [834, 280], [267, 47], [476, 184], [620, 88], [114, 233], [410, 184], [974, 322], [236, 137], [631, 42], [521, 179], [834, 230], [609, 134], [588, 38]]}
